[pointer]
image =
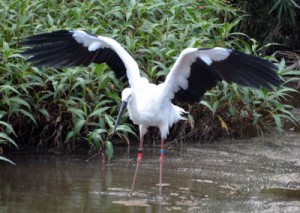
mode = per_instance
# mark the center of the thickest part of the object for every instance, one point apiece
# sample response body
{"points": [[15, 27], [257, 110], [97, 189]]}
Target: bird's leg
{"points": [[161, 160], [139, 159]]}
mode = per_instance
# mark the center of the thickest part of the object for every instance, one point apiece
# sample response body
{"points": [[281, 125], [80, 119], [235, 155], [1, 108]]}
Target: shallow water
{"points": [[231, 176]]}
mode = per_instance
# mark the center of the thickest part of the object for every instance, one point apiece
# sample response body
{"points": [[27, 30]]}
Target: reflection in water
{"points": [[230, 176]]}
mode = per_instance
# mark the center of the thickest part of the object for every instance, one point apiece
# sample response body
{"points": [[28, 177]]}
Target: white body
{"points": [[146, 109], [149, 104], [194, 72]]}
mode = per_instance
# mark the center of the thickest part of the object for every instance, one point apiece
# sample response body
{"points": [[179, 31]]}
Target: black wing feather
{"points": [[59, 49], [241, 68], [200, 79]]}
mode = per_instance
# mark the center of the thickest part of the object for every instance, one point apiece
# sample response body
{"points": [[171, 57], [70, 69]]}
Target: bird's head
{"points": [[127, 96]]}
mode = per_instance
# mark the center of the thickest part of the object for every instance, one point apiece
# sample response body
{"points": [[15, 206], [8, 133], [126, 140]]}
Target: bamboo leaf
{"points": [[126, 129], [45, 113], [7, 160], [9, 127], [223, 123], [5, 137], [78, 126], [256, 117], [70, 135], [109, 150], [98, 111], [9, 87], [205, 103], [109, 121], [27, 114], [78, 112], [19, 101], [278, 122]]}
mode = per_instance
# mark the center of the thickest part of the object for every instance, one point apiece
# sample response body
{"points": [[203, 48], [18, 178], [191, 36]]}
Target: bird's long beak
{"points": [[121, 112]]}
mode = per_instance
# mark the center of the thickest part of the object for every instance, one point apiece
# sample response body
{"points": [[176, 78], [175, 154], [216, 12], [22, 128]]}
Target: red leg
{"points": [[161, 160], [139, 159]]}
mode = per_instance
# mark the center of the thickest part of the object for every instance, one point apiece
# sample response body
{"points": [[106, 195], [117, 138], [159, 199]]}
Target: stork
{"points": [[195, 71]]}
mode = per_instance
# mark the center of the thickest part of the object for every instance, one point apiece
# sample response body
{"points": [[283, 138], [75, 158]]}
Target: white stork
{"points": [[195, 71]]}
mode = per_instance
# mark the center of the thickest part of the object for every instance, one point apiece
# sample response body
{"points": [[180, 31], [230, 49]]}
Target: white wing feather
{"points": [[180, 72], [93, 43]]}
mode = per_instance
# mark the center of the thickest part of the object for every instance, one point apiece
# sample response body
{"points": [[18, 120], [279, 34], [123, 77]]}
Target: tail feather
{"points": [[184, 115]]}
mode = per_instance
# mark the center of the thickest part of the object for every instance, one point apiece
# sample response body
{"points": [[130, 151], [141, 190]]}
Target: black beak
{"points": [[121, 112]]}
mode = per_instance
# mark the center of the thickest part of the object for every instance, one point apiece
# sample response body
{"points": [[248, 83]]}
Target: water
{"points": [[230, 176]]}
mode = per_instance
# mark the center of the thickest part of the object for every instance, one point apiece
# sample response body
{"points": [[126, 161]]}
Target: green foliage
{"points": [[53, 108], [271, 21], [285, 10]]}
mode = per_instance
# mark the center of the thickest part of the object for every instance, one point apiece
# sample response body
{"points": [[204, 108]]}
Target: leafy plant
{"points": [[271, 21], [56, 108]]}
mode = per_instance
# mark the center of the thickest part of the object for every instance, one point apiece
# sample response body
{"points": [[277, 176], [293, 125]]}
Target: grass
{"points": [[60, 109]]}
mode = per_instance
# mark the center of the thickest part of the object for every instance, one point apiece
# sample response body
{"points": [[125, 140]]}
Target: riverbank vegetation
{"points": [[59, 110]]}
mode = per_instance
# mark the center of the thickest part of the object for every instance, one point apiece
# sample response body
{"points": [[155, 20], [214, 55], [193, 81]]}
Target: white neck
{"points": [[132, 69]]}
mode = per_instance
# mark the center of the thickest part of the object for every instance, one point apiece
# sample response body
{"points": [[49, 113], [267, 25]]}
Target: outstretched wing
{"points": [[66, 48], [198, 70]]}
